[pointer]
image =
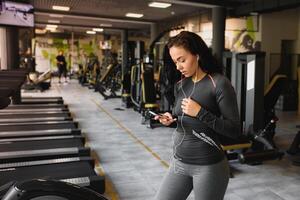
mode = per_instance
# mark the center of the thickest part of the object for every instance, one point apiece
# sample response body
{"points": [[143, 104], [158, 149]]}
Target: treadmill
{"points": [[30, 106], [5, 94], [69, 189], [38, 143], [33, 110], [42, 100], [34, 115], [26, 126], [48, 132], [54, 169], [35, 119]]}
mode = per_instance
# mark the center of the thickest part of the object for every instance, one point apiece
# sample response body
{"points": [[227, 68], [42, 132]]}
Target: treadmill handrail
{"points": [[38, 152], [39, 162], [33, 113], [58, 137], [37, 132], [38, 105], [33, 110], [38, 123], [12, 120]]}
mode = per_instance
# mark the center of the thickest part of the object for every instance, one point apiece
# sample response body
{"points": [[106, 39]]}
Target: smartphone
{"points": [[152, 113]]}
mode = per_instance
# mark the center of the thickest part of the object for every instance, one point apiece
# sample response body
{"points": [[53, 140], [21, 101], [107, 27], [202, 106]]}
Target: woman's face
{"points": [[185, 62]]}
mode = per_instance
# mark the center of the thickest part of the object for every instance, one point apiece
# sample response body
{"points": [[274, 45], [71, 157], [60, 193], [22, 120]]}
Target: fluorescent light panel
{"points": [[159, 5], [98, 29], [106, 25], [91, 32], [51, 26], [134, 15], [53, 21], [40, 31], [56, 15], [61, 8]]}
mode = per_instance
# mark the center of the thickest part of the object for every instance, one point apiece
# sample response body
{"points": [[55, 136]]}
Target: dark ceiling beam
{"points": [[91, 17], [79, 26], [202, 3], [263, 6]]}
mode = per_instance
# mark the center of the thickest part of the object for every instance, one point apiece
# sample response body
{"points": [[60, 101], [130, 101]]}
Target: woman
{"points": [[205, 108]]}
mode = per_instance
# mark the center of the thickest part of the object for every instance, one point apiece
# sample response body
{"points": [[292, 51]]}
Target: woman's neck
{"points": [[199, 75]]}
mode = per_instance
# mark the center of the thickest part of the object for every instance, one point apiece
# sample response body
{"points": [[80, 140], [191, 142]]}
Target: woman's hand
{"points": [[166, 118], [190, 107]]}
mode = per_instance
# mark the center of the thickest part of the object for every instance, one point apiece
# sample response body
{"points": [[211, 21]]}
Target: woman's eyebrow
{"points": [[179, 58]]}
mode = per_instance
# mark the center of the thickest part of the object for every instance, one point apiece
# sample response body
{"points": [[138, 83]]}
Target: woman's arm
{"points": [[229, 122]]}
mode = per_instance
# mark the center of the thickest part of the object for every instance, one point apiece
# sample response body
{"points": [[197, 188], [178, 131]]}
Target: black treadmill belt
{"points": [[53, 171], [32, 110], [33, 115], [42, 98], [40, 144], [40, 106], [48, 132], [36, 126], [36, 119], [41, 101]]}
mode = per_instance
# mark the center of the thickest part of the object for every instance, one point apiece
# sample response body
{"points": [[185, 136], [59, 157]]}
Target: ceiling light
{"points": [[91, 32], [61, 8], [53, 21], [134, 15], [56, 15], [55, 31], [51, 26], [40, 31], [106, 25], [159, 5], [98, 29]]}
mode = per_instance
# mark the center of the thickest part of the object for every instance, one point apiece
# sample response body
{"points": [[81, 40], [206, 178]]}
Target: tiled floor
{"points": [[134, 157]]}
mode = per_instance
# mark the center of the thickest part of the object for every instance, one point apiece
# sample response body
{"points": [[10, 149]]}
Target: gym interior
{"points": [[82, 81]]}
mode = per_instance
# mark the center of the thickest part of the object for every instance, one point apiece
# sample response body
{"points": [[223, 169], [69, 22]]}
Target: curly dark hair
{"points": [[195, 45]]}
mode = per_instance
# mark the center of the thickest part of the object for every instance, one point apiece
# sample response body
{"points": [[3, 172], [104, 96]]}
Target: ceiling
{"points": [[87, 14]]}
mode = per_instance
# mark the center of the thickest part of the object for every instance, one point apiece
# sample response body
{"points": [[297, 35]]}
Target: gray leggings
{"points": [[209, 182]]}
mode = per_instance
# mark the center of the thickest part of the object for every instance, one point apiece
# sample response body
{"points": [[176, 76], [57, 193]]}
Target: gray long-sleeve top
{"points": [[197, 138]]}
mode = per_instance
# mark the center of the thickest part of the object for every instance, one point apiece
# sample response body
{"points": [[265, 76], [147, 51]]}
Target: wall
{"points": [[238, 31], [275, 27], [297, 42], [265, 32], [47, 48]]}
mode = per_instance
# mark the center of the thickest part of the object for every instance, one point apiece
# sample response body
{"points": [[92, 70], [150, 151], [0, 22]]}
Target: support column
{"points": [[72, 51], [153, 32], [12, 42], [124, 40], [126, 81], [218, 20], [3, 51]]}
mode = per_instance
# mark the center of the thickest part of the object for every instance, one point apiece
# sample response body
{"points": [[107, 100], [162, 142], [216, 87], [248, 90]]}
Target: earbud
{"points": [[197, 57]]}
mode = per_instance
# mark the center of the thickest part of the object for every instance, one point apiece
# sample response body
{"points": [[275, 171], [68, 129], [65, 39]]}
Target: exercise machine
{"points": [[50, 189], [256, 108], [109, 83]]}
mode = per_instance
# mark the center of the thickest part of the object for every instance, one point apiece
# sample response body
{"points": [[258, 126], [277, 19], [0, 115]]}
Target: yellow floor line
{"points": [[164, 163], [110, 190]]}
